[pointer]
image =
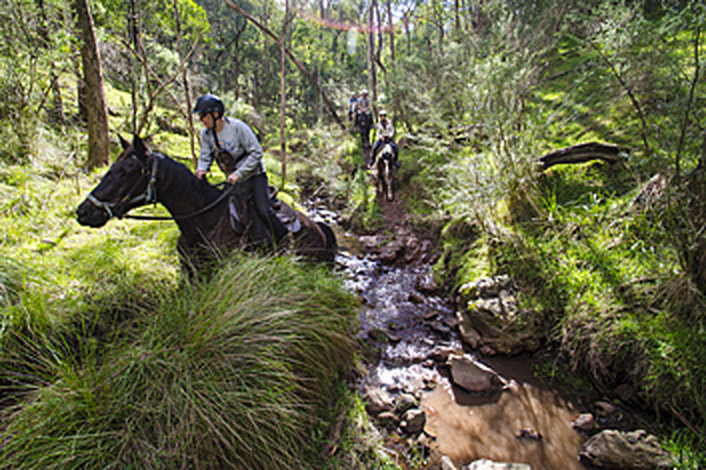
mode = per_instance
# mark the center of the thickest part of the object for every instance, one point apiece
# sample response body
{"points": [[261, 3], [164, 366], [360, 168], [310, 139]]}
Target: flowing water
{"points": [[409, 335]]}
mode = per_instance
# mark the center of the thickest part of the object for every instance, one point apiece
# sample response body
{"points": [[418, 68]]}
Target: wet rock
{"points": [[468, 334], [442, 353], [391, 251], [405, 402], [387, 419], [493, 320], [416, 298], [584, 422], [426, 284], [474, 376], [636, 450], [529, 433], [485, 464], [413, 421], [441, 328], [377, 400]]}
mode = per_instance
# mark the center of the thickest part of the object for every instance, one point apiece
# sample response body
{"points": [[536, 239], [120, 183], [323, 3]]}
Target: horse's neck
{"points": [[181, 193]]}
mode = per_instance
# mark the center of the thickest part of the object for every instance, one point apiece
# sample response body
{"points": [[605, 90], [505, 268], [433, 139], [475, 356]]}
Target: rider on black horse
{"points": [[238, 153], [384, 132]]}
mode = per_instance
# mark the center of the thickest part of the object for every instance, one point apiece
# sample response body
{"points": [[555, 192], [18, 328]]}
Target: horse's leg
{"points": [[331, 245]]}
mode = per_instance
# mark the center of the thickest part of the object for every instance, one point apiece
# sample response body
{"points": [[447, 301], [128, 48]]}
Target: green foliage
{"points": [[220, 372]]}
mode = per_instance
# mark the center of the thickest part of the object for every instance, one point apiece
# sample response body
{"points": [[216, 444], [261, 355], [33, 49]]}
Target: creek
{"points": [[407, 332]]}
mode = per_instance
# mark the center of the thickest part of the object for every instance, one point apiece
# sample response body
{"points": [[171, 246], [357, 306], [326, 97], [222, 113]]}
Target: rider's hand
{"points": [[232, 178], [200, 173]]}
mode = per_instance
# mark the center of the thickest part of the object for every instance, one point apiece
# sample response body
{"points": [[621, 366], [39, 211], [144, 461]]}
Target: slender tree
{"points": [[96, 107]]}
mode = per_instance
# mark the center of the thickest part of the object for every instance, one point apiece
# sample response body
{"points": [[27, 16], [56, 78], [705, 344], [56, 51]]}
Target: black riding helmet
{"points": [[208, 104]]}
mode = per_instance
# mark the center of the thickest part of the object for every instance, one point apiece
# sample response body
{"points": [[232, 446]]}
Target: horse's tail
{"points": [[331, 245]]}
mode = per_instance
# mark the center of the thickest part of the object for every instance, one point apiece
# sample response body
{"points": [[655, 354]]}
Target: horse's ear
{"points": [[124, 143], [139, 146]]}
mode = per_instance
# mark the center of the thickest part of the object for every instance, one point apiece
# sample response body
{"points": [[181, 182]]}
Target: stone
{"points": [[446, 463], [584, 422], [636, 450], [413, 421], [387, 419], [469, 335], [426, 284], [485, 464], [405, 402], [474, 376], [604, 409], [377, 400]]}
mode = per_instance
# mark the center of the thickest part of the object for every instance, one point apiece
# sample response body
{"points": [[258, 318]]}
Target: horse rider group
{"points": [[384, 130]]}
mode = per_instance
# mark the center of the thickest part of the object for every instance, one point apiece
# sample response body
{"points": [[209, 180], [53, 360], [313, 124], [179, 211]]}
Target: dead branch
{"points": [[581, 153]]}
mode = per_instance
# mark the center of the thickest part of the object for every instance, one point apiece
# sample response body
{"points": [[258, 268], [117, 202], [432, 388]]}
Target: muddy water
{"points": [[408, 335], [526, 425]]}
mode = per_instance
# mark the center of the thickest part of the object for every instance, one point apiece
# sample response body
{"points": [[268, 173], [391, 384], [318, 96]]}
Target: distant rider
{"points": [[238, 153], [384, 132], [352, 104]]}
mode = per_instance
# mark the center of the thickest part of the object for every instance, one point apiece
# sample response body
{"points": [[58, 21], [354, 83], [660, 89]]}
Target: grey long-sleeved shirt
{"points": [[238, 139]]}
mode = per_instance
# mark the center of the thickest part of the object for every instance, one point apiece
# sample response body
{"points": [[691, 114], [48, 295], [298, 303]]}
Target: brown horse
{"points": [[211, 221]]}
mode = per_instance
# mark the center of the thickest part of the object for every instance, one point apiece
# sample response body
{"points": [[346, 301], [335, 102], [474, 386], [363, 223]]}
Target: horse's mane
{"points": [[183, 180]]}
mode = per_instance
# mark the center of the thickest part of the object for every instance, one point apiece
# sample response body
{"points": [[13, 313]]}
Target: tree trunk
{"points": [[185, 83], [96, 108], [283, 95]]}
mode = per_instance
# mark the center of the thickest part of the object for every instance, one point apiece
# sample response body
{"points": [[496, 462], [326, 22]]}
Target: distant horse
{"points": [[364, 122], [211, 221], [384, 171]]}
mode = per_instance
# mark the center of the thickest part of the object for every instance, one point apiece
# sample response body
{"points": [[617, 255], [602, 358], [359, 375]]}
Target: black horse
{"points": [[210, 221]]}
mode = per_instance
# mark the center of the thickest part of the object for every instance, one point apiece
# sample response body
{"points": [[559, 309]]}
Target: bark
{"points": [[331, 109], [581, 153], [96, 108]]}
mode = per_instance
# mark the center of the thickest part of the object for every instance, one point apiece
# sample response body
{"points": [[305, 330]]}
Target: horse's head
{"points": [[126, 185]]}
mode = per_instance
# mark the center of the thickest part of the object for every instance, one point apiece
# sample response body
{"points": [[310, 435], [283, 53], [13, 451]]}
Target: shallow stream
{"points": [[409, 333]]}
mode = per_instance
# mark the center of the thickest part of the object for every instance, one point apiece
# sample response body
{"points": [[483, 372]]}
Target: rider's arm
{"points": [[253, 151], [207, 148]]}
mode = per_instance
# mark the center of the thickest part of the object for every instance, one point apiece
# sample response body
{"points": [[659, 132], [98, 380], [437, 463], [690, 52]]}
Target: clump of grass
{"points": [[229, 372]]}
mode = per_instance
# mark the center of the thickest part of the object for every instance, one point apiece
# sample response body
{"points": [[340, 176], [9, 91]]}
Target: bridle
{"points": [[148, 196]]}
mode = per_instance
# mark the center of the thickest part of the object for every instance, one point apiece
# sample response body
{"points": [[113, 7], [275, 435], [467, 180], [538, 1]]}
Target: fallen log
{"points": [[581, 153]]}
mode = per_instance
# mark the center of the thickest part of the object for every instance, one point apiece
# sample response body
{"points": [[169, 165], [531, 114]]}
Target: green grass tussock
{"points": [[226, 373]]}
